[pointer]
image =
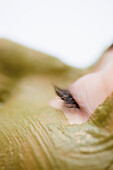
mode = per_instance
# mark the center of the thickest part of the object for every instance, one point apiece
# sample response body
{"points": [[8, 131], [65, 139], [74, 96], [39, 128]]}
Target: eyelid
{"points": [[66, 97]]}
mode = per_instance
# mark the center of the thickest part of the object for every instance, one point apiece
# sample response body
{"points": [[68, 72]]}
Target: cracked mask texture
{"points": [[34, 135]]}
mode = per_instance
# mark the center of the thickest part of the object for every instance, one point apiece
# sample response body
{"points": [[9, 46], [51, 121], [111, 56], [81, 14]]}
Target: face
{"points": [[35, 135]]}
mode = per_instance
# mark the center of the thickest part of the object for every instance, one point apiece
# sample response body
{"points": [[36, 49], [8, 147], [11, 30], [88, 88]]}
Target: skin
{"points": [[34, 135], [89, 92]]}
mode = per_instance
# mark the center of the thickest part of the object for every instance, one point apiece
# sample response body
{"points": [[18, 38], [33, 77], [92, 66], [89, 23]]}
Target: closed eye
{"points": [[66, 97]]}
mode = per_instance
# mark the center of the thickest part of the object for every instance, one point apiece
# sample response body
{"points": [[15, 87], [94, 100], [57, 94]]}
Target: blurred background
{"points": [[75, 31]]}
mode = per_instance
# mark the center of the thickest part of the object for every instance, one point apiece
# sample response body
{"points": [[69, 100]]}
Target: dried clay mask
{"points": [[40, 129]]}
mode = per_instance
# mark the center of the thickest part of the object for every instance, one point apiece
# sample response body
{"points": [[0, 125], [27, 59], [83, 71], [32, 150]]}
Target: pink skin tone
{"points": [[89, 92]]}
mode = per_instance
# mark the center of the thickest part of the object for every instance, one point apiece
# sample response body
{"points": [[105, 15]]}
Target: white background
{"points": [[76, 31]]}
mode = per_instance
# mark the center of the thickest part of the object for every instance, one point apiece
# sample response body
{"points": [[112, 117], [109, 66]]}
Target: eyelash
{"points": [[66, 97]]}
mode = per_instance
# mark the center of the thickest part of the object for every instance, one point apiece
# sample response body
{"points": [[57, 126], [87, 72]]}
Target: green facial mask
{"points": [[35, 136]]}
